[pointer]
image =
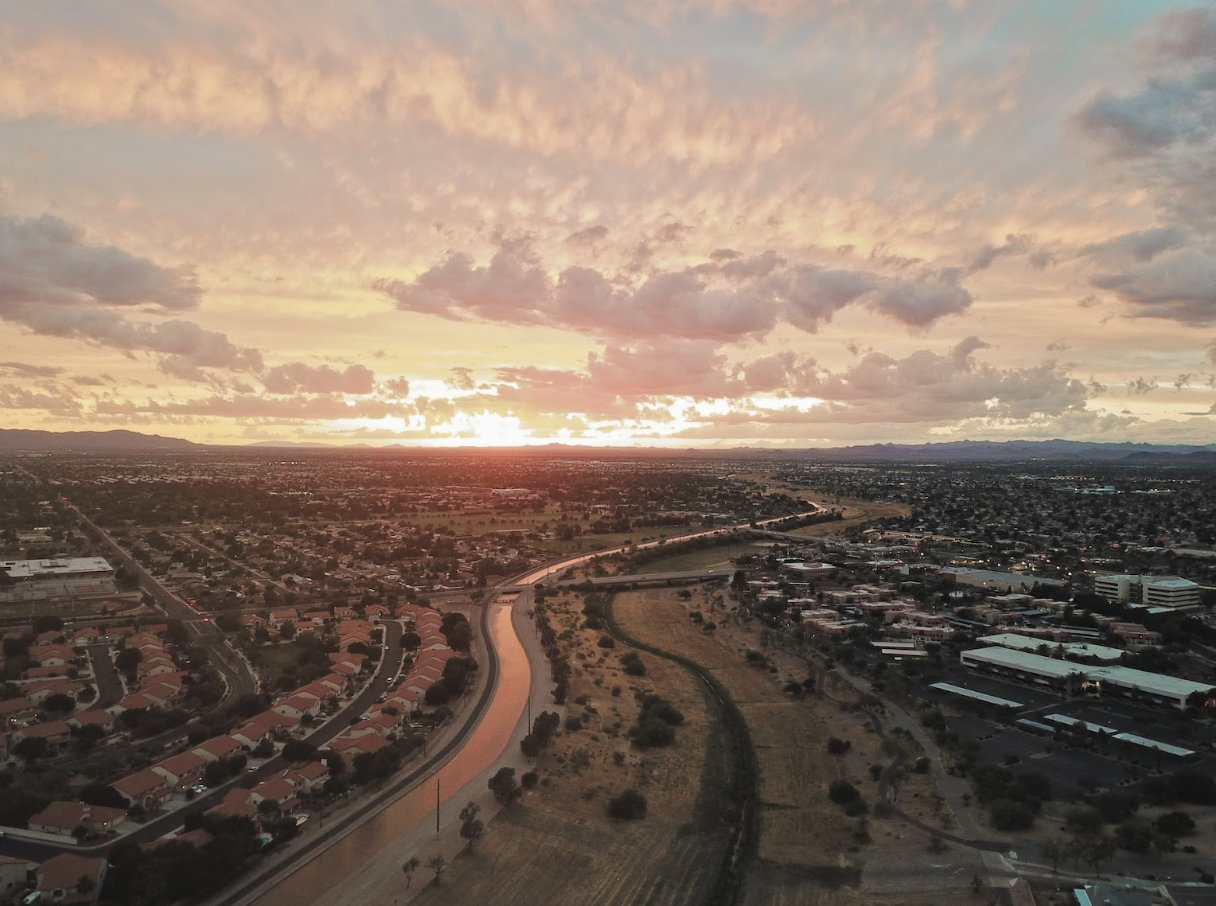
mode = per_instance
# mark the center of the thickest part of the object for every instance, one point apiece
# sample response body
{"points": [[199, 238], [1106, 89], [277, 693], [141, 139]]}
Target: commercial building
{"points": [[1073, 678], [92, 569], [1151, 591]]}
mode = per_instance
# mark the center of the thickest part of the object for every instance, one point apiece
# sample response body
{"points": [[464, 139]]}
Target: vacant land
{"points": [[559, 846]]}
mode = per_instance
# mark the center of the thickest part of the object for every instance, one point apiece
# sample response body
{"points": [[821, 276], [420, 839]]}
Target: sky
{"points": [[684, 223]]}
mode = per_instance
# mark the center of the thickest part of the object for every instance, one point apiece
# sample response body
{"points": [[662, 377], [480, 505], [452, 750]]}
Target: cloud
{"points": [[53, 283], [1137, 247], [1141, 386], [399, 387], [299, 408], [53, 401], [1022, 245], [924, 386], [32, 370], [184, 347], [727, 298], [297, 377], [45, 261], [1179, 286], [1161, 139]]}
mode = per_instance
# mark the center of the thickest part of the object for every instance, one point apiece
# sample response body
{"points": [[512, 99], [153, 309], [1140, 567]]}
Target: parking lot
{"points": [[1108, 764]]}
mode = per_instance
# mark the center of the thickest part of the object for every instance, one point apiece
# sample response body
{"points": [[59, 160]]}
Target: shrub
{"points": [[574, 723], [841, 792], [633, 666], [630, 805], [1176, 824], [1115, 805], [606, 641], [837, 746], [1010, 815], [651, 733]]}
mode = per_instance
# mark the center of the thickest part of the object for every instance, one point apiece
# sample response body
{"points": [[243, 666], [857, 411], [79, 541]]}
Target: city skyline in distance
{"points": [[719, 224]]}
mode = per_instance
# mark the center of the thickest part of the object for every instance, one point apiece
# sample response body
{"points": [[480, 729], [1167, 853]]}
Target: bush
{"points": [[630, 805], [632, 664], [574, 723], [842, 792], [1135, 836], [838, 746], [652, 733], [856, 808], [1084, 819], [1010, 815], [1115, 805], [606, 641], [1175, 824], [529, 780]]}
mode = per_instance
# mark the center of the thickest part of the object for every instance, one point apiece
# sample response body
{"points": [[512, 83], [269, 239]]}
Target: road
{"points": [[265, 579], [238, 677], [105, 676]]}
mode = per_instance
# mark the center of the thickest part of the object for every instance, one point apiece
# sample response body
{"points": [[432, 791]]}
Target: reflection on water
{"points": [[485, 745]]}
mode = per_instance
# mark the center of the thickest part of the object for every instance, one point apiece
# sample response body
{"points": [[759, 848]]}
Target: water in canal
{"points": [[486, 744]]}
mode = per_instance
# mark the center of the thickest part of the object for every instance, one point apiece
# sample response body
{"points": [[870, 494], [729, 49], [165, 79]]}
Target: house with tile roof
{"points": [[61, 879], [65, 818]]}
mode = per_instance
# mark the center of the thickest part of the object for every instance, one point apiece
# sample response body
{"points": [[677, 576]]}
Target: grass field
{"points": [[273, 658], [709, 558]]}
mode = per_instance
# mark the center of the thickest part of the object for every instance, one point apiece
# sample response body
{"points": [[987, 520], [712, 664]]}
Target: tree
{"points": [[1054, 850], [128, 659], [837, 746], [630, 805], [408, 867], [60, 702], [1176, 824], [471, 827], [1010, 815], [437, 864], [1135, 836], [85, 884], [504, 786], [299, 750], [842, 792], [1098, 851]]}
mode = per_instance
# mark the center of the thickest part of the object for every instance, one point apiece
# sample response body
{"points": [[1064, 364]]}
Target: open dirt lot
{"points": [[559, 845]]}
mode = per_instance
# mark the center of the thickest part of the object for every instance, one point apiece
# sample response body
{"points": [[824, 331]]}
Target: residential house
{"points": [[66, 818], [236, 804], [217, 748], [52, 655], [71, 879], [181, 770], [39, 691], [56, 733], [308, 777], [101, 719], [350, 746], [279, 790], [297, 705], [14, 875], [144, 790], [15, 710]]}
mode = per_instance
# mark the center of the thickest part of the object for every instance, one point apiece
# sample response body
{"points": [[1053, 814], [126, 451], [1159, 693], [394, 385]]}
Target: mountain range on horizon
{"points": [[13, 440]]}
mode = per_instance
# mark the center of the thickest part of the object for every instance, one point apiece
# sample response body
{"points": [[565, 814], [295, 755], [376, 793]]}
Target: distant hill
{"points": [[14, 440], [21, 440], [1021, 450]]}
